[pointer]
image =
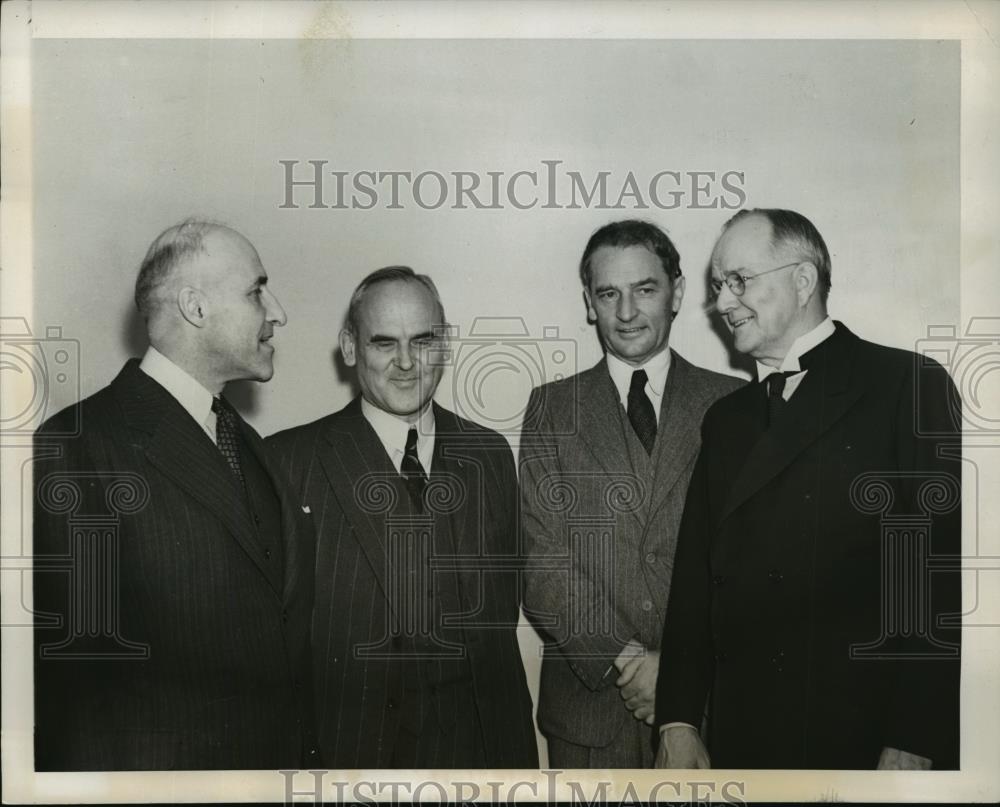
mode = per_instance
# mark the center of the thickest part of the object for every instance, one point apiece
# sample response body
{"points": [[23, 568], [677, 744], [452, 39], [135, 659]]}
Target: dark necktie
{"points": [[226, 436], [640, 411], [413, 471], [775, 395]]}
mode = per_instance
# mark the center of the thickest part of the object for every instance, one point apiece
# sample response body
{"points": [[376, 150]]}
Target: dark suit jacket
{"points": [[165, 638], [340, 470], [799, 602], [580, 490]]}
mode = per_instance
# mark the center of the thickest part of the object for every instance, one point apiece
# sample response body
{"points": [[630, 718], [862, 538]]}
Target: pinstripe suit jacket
{"points": [[341, 471], [165, 635], [601, 535]]}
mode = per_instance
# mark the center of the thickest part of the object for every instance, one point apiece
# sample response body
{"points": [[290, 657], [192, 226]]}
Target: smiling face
{"points": [[242, 311], [395, 347], [776, 308], [633, 302]]}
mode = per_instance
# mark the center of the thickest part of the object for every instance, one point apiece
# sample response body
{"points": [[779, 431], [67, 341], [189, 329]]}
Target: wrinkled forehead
{"points": [[400, 308]]}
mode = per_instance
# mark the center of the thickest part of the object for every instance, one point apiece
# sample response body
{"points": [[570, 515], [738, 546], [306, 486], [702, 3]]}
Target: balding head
{"points": [[202, 291], [170, 251]]}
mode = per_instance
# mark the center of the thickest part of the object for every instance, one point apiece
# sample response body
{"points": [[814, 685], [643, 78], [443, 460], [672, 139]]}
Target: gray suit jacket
{"points": [[601, 534]]}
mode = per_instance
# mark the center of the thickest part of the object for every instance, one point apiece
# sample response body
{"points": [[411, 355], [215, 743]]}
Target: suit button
{"points": [[267, 554], [775, 576], [720, 657], [718, 580], [647, 605], [390, 704], [284, 616], [256, 519], [651, 557]]}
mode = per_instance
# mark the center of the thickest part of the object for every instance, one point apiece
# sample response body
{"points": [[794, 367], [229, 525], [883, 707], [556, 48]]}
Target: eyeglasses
{"points": [[738, 283]]}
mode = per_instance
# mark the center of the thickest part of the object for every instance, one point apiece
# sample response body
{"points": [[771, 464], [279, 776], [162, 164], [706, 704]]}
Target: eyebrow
{"points": [[646, 281], [381, 337], [260, 281]]}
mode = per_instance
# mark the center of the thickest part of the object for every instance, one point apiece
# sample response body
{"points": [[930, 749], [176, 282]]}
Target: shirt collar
{"points": [[196, 400], [656, 369], [392, 430], [801, 346]]}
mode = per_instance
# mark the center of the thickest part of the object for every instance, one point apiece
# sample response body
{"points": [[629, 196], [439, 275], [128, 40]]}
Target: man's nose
{"points": [[726, 301], [274, 312], [404, 356], [626, 308]]}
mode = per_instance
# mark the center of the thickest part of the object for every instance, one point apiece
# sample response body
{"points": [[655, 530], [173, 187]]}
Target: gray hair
{"points": [[795, 231], [385, 275], [168, 250]]}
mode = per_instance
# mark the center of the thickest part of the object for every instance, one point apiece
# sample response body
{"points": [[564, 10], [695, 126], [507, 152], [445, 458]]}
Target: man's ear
{"points": [[347, 347], [678, 297], [806, 281], [193, 306], [591, 312]]}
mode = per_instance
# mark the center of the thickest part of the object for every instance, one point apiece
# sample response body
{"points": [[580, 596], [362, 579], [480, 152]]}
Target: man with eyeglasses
{"points": [[815, 599]]}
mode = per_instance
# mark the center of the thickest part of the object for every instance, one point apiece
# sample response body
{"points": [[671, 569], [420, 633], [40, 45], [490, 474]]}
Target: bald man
{"points": [[173, 584]]}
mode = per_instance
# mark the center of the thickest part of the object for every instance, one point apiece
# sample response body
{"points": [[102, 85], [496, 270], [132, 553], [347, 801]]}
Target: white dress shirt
{"points": [[790, 364], [656, 369], [196, 400], [392, 430]]}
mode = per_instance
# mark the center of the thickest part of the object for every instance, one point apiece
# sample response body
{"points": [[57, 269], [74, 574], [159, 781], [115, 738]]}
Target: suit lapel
{"points": [[291, 518], [452, 466], [678, 432], [364, 481], [600, 419], [823, 397], [181, 450]]}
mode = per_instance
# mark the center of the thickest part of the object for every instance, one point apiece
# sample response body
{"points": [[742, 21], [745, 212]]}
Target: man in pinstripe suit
{"points": [[416, 567], [173, 585]]}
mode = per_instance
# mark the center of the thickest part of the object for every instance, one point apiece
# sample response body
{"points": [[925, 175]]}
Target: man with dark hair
{"points": [[417, 661], [816, 596], [173, 585], [606, 456]]}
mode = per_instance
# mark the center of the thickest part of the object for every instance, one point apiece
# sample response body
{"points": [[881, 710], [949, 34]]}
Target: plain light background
{"points": [[131, 136]]}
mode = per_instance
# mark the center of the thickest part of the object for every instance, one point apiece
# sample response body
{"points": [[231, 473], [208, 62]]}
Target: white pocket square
{"points": [[305, 509]]}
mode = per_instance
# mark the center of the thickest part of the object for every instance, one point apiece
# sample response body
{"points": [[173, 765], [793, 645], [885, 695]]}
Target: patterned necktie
{"points": [[640, 411], [413, 471], [775, 395], [226, 437]]}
